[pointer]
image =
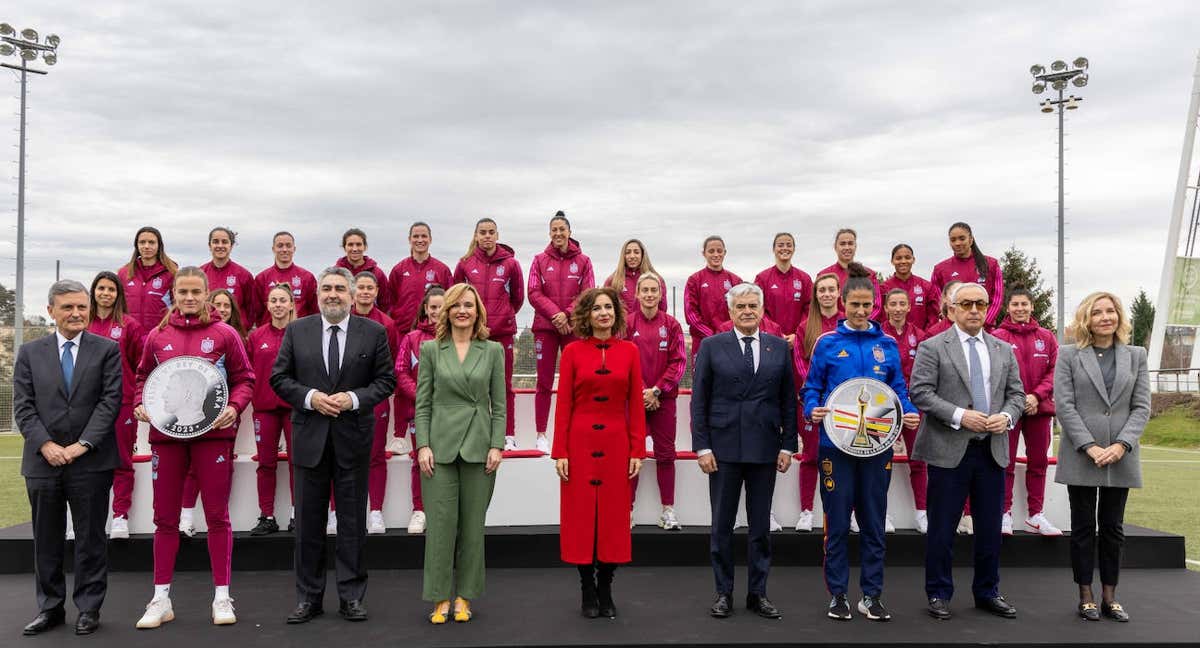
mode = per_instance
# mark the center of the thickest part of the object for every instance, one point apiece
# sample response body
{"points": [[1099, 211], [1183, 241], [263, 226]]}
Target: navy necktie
{"points": [[334, 359], [68, 365], [748, 354]]}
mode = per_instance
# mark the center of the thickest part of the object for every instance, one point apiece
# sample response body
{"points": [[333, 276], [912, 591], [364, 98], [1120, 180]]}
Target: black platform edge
{"points": [[537, 547]]}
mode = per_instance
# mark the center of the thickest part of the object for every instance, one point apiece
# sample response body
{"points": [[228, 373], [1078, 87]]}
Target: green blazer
{"points": [[460, 408]]}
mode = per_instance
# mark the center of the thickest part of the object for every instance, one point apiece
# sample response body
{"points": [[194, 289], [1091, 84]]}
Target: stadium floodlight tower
{"points": [[1057, 78], [27, 47]]}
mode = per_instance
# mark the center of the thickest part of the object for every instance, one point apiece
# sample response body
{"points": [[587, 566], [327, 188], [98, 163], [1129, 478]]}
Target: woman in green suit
{"points": [[460, 421]]}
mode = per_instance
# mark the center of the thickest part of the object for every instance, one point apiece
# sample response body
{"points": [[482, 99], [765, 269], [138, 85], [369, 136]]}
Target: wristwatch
{"points": [[657, 391]]}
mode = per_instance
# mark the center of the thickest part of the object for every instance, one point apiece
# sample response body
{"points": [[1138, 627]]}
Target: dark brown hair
{"points": [[581, 315]]}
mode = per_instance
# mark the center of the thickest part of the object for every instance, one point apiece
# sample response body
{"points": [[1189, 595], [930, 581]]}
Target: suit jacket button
{"points": [[597, 454], [597, 426], [1106, 412]]}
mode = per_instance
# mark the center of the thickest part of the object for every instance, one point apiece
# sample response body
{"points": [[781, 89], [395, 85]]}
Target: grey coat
{"points": [[1088, 414], [941, 383]]}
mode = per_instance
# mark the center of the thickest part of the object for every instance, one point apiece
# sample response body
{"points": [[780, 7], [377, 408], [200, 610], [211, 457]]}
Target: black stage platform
{"points": [[657, 605], [537, 547]]}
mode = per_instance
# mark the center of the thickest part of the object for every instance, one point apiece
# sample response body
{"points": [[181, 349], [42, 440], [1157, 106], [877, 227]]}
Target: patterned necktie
{"points": [[333, 361], [748, 354], [979, 394], [68, 365]]}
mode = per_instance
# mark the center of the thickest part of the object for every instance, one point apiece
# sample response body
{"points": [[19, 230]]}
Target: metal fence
{"points": [[1175, 381], [7, 359]]}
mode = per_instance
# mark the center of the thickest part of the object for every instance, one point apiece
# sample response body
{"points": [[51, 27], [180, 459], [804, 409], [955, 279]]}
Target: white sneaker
{"points": [[805, 522], [187, 524], [510, 443], [853, 523], [888, 525], [222, 612], [375, 525], [157, 613], [1006, 524], [922, 522], [416, 523], [966, 526], [119, 529], [543, 444], [668, 520], [775, 525], [1040, 524], [331, 524]]}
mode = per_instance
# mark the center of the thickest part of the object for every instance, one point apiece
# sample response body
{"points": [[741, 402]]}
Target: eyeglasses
{"points": [[979, 305]]}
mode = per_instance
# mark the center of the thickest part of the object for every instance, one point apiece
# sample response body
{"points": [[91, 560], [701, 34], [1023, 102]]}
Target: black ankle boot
{"points": [[604, 579], [590, 607]]}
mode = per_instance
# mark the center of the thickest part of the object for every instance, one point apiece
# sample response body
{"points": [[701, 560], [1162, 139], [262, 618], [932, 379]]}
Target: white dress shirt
{"points": [[985, 366], [344, 328], [74, 347]]}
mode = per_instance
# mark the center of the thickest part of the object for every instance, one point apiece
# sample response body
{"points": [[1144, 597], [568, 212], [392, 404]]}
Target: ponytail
{"points": [[981, 265], [471, 247], [857, 278]]}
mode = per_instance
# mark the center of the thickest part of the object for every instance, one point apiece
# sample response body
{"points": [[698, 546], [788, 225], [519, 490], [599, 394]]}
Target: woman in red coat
{"points": [[599, 444]]}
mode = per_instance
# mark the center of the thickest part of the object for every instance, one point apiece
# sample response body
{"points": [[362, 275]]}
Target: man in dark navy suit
{"points": [[743, 431]]}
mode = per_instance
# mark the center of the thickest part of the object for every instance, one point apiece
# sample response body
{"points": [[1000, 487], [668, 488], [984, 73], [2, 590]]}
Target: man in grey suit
{"points": [[333, 369], [66, 393], [968, 385]]}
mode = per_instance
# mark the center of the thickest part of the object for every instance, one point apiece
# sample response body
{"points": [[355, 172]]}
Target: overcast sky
{"points": [[665, 121]]}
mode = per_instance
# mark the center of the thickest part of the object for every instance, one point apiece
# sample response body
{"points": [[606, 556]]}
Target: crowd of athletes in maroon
{"points": [[798, 306]]}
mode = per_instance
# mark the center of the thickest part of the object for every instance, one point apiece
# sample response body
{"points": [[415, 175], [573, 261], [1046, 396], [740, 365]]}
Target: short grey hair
{"points": [[64, 287], [967, 284], [741, 290], [339, 271]]}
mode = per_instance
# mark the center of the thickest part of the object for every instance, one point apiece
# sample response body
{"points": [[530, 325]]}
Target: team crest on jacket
{"points": [[499, 271], [429, 275], [1039, 344], [797, 284], [662, 331], [574, 267], [296, 281], [231, 281], [115, 333], [207, 345], [157, 283], [877, 353], [912, 339], [918, 290], [727, 284]]}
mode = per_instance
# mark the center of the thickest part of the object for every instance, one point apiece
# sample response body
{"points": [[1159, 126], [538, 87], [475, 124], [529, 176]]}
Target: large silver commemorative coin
{"points": [[865, 417], [184, 396]]}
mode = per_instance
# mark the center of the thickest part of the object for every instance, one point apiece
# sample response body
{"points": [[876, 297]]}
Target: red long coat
{"points": [[599, 426]]}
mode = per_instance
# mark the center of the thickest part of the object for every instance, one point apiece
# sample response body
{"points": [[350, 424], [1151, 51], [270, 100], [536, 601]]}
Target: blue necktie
{"points": [[979, 394], [748, 354], [68, 364]]}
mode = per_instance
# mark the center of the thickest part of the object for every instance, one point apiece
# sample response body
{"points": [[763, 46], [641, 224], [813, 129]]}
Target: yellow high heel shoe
{"points": [[462, 610], [440, 611]]}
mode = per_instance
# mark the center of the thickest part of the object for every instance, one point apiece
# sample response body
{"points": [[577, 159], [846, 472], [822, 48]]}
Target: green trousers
{"points": [[456, 500]]}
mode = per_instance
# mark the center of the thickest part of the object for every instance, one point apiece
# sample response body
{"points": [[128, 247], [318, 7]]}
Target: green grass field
{"points": [[1168, 502]]}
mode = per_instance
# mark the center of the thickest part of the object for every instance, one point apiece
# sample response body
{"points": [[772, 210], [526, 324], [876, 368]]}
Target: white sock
{"points": [[222, 593], [162, 592]]}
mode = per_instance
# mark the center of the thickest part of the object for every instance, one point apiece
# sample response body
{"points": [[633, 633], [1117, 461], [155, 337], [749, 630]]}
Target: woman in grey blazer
{"points": [[1103, 393]]}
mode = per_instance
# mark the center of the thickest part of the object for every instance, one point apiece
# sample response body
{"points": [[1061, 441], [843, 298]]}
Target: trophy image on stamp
{"points": [[184, 396], [865, 417]]}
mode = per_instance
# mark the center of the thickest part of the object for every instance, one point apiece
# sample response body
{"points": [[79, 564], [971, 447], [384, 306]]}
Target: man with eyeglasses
{"points": [[969, 386]]}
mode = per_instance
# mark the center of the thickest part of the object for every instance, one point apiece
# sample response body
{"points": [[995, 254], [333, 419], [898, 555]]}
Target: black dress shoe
{"points": [[998, 606], [305, 612], [265, 526], [87, 623], [721, 607], [1114, 611], [44, 621], [291, 526], [762, 606], [939, 609], [352, 610]]}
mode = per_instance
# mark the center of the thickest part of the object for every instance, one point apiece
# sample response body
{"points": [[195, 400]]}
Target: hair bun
{"points": [[856, 270]]}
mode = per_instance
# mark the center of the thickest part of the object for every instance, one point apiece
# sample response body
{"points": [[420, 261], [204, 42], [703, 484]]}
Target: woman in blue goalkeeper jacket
{"points": [[857, 348]]}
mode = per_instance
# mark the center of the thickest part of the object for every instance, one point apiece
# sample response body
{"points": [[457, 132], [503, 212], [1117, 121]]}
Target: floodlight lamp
{"points": [[1059, 84], [50, 57], [1080, 80], [1039, 87], [1080, 63], [6, 29], [6, 49], [28, 54], [1037, 70], [29, 34], [1047, 107], [53, 40], [1072, 103], [1058, 66]]}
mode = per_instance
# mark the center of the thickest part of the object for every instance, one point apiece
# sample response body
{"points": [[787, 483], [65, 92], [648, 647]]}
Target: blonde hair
{"points": [[287, 290], [617, 279], [471, 247], [1080, 328], [184, 272], [454, 294]]}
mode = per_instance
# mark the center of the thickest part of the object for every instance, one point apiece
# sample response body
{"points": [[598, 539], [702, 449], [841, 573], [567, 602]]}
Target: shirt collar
{"points": [[63, 340], [738, 334], [963, 336], [344, 325]]}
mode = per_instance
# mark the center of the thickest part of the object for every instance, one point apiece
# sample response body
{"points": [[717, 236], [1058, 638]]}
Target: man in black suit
{"points": [[743, 431], [333, 369], [66, 393]]}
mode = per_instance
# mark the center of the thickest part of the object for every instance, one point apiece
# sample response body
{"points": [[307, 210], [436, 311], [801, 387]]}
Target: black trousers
{"points": [[724, 491], [312, 506], [1106, 506], [87, 493]]}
